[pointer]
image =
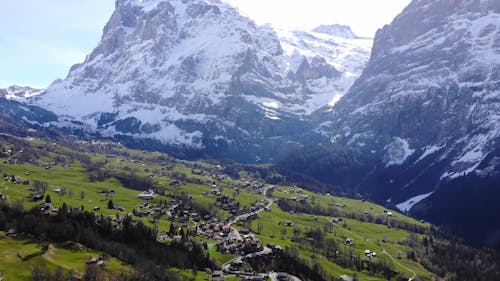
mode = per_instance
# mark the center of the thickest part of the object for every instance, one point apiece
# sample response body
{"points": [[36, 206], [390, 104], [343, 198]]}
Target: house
{"points": [[45, 207], [235, 265], [348, 241], [12, 232], [1, 196], [120, 208], [139, 213], [58, 191], [218, 275], [108, 192], [195, 217], [92, 260], [96, 208], [252, 278], [147, 195], [162, 237], [95, 260], [244, 230], [37, 197]]}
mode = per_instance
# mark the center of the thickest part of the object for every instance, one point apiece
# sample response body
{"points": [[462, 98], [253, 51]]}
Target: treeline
{"points": [[133, 242], [97, 172], [315, 241], [454, 261], [329, 163], [298, 207]]}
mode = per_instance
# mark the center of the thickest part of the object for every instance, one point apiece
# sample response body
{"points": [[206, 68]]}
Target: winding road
{"points": [[237, 235]]}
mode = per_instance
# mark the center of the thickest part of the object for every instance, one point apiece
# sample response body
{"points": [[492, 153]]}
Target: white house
{"points": [[147, 195]]}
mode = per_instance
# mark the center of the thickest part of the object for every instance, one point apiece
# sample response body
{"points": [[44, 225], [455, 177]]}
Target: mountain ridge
{"points": [[197, 74]]}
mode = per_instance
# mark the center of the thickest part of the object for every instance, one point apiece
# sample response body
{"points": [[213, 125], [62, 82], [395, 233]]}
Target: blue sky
{"points": [[41, 39]]}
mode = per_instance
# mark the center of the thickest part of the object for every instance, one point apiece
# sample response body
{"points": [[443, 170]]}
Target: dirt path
{"points": [[387, 254], [401, 265]]}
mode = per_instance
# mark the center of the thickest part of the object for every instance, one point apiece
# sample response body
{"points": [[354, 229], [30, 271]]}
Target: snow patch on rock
{"points": [[397, 152], [408, 204]]}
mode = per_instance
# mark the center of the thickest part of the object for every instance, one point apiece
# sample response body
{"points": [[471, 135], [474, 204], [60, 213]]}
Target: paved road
{"points": [[274, 277]]}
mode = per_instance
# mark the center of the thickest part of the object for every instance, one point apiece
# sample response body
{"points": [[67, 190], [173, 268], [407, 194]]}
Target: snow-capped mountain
{"points": [[336, 30], [19, 92], [339, 46], [428, 102], [198, 74]]}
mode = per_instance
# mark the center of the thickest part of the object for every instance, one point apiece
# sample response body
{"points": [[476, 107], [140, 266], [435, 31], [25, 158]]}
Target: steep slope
{"points": [[198, 75], [428, 103], [339, 46]]}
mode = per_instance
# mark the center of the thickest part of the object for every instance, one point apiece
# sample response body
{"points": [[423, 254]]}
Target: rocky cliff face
{"points": [[197, 74], [428, 102]]}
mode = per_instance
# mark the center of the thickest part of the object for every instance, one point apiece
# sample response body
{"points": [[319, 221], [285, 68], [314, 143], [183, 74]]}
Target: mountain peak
{"points": [[16, 92], [199, 74], [337, 30]]}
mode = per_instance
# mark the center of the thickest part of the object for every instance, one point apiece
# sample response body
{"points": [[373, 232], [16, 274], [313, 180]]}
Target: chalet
{"points": [[45, 207], [37, 197], [92, 260], [253, 278], [95, 260], [195, 217], [244, 230], [58, 191], [226, 229], [12, 232], [348, 241], [120, 208], [147, 195], [218, 275], [162, 237], [107, 192], [337, 220], [235, 265], [139, 213]]}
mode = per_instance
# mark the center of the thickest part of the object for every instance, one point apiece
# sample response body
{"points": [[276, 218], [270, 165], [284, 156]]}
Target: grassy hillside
{"points": [[20, 257], [312, 227]]}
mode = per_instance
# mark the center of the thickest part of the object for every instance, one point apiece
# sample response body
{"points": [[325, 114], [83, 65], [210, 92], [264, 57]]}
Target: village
{"points": [[225, 226]]}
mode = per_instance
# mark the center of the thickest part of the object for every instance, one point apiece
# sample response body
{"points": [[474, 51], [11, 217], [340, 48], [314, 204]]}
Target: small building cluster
{"points": [[248, 244]]}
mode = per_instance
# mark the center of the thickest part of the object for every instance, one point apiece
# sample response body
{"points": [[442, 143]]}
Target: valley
{"points": [[193, 142], [197, 202]]}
